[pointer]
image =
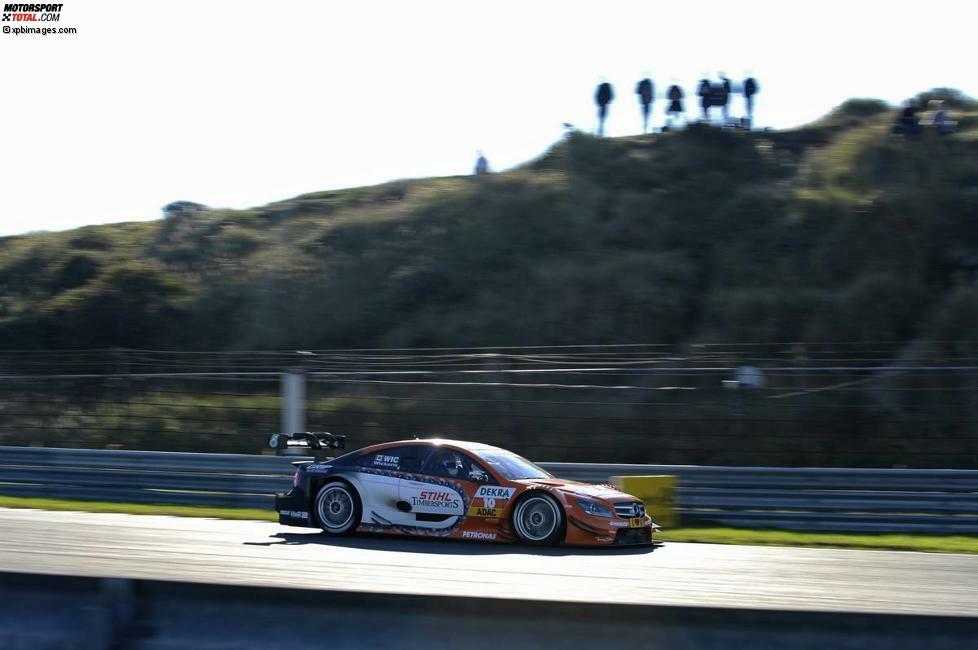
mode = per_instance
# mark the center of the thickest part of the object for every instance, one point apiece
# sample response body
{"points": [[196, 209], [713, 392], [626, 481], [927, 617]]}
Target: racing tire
{"points": [[337, 508], [539, 520]]}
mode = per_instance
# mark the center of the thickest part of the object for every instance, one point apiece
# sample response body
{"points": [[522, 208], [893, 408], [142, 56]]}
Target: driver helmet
{"points": [[452, 464]]}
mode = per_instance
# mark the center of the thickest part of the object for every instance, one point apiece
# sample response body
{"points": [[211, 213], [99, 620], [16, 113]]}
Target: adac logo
{"points": [[490, 513]]}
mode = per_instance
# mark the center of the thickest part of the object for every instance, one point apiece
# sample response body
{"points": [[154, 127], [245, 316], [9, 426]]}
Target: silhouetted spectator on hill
{"points": [[750, 89], [646, 93], [675, 108], [907, 124], [943, 124], [603, 97], [705, 91], [723, 97], [481, 165], [939, 118]]}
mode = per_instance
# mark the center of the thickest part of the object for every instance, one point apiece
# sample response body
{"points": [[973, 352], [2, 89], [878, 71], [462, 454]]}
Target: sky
{"points": [[237, 103]]}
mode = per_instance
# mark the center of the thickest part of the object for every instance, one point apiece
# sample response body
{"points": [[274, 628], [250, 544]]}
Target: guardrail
{"points": [[225, 480], [854, 500], [934, 501]]}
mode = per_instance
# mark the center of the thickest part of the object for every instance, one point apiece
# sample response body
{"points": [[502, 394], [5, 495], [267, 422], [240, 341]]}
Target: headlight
{"points": [[593, 508]]}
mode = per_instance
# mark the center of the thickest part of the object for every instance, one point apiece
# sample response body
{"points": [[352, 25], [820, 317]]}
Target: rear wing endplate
{"points": [[315, 440]]}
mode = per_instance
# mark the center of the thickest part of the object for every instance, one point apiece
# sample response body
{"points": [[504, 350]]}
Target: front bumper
{"points": [[633, 536], [597, 531], [292, 509]]}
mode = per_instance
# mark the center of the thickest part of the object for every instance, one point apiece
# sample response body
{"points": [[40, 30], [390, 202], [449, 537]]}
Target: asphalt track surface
{"points": [[265, 554]]}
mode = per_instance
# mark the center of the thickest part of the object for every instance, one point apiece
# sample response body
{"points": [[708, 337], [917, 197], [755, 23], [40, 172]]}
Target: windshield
{"points": [[513, 467]]}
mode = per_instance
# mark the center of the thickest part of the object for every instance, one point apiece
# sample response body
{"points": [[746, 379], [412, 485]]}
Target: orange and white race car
{"points": [[459, 490]]}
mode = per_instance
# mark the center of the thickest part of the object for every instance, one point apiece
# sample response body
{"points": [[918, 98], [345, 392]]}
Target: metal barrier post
{"points": [[293, 402]]}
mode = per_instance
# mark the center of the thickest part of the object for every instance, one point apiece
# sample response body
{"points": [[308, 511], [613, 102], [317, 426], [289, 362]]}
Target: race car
{"points": [[454, 489]]}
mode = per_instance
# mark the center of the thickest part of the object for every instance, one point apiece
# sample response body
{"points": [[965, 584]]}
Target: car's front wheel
{"points": [[338, 508], [538, 519]]}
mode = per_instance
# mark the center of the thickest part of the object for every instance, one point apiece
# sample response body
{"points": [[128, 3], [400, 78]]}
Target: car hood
{"points": [[607, 493]]}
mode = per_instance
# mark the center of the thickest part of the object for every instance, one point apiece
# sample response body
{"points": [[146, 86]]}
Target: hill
{"points": [[837, 231]]}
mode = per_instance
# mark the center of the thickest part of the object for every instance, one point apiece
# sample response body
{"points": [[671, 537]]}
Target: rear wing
{"points": [[315, 441]]}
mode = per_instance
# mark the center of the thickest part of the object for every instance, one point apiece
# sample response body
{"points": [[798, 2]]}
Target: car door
{"points": [[379, 477], [443, 492]]}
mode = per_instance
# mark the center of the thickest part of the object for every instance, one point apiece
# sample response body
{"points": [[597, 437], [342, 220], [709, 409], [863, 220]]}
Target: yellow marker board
{"points": [[657, 492]]}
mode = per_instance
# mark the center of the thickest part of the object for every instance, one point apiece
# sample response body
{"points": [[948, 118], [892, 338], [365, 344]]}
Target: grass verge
{"points": [[754, 537], [744, 536], [138, 508]]}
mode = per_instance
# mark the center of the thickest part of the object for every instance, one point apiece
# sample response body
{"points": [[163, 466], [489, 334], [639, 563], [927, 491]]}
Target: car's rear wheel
{"points": [[538, 519], [338, 508]]}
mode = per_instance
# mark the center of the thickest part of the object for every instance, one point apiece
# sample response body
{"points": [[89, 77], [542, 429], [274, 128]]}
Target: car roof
{"points": [[464, 445]]}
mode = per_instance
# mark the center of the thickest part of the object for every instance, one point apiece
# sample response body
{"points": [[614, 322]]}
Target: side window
{"points": [[448, 463], [401, 459], [413, 457]]}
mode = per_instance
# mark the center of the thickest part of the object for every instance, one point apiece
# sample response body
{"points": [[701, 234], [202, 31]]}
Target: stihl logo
{"points": [[436, 496], [440, 501]]}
